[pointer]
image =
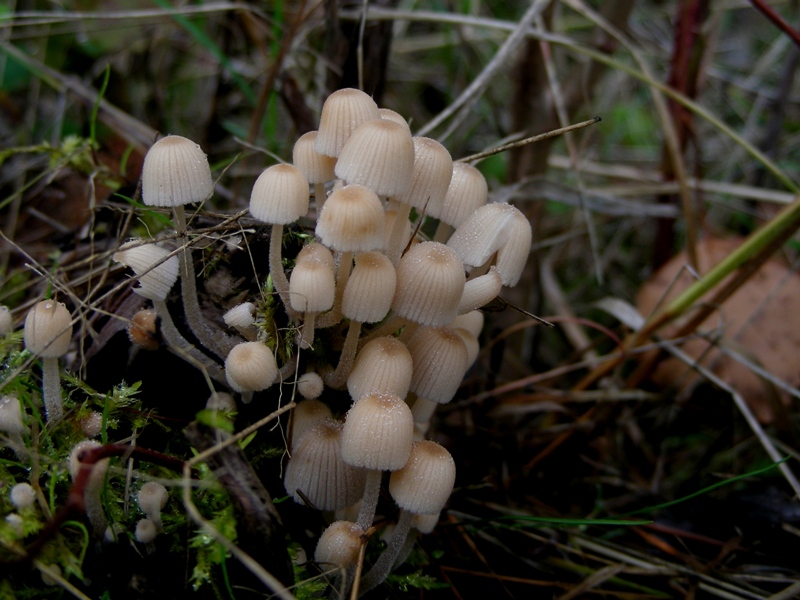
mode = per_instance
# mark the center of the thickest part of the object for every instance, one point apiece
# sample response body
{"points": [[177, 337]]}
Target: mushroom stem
{"points": [[307, 337], [386, 561], [51, 389], [276, 269], [319, 195], [346, 359], [443, 232], [334, 315], [218, 344], [394, 247], [181, 346], [369, 502]]}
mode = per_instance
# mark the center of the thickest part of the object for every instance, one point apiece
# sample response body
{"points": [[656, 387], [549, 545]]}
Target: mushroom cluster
{"points": [[402, 308]]}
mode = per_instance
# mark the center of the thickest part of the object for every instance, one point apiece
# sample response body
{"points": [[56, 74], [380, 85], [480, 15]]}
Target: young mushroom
{"points": [[48, 329], [152, 498]]}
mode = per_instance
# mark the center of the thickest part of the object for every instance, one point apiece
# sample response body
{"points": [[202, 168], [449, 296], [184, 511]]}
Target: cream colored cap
{"points": [[312, 286], [343, 111], [425, 483], [382, 365], [175, 172], [440, 361], [306, 415], [250, 367], [480, 291], [379, 155], [370, 289], [467, 192], [48, 329], [339, 545], [157, 273], [317, 167], [280, 195], [352, 220], [430, 283], [433, 168], [378, 433]]}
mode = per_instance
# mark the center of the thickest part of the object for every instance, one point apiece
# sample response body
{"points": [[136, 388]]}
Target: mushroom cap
{"points": [[307, 415], [382, 365], [98, 473], [11, 415], [425, 483], [250, 367], [471, 321], [430, 283], [317, 167], [310, 385], [6, 321], [221, 401], [440, 361], [483, 233], [317, 470], [513, 254], [280, 195], [339, 545], [433, 168], [312, 286], [370, 289], [175, 172], [468, 191], [380, 155], [146, 531], [352, 220], [425, 523], [391, 115], [152, 497], [480, 291], [48, 329], [240, 316], [22, 495], [343, 111], [315, 251], [378, 433], [157, 274], [142, 329]]}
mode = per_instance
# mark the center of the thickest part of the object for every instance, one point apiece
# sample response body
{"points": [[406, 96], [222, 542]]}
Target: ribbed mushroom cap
{"points": [[433, 168], [483, 233], [310, 385], [425, 523], [317, 167], [370, 289], [378, 433], [250, 367], [48, 329], [391, 115], [175, 172], [157, 274], [382, 365], [352, 220], [280, 195], [425, 483], [240, 316], [339, 545], [480, 291], [467, 192], [430, 283], [471, 321], [379, 155], [513, 254], [343, 111], [471, 343], [317, 470], [312, 286], [307, 415], [440, 361], [318, 252]]}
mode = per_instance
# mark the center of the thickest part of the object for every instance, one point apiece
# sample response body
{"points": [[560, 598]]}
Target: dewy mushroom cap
{"points": [[430, 283], [352, 220], [175, 172], [48, 329], [157, 274], [378, 433], [250, 367], [280, 195]]}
